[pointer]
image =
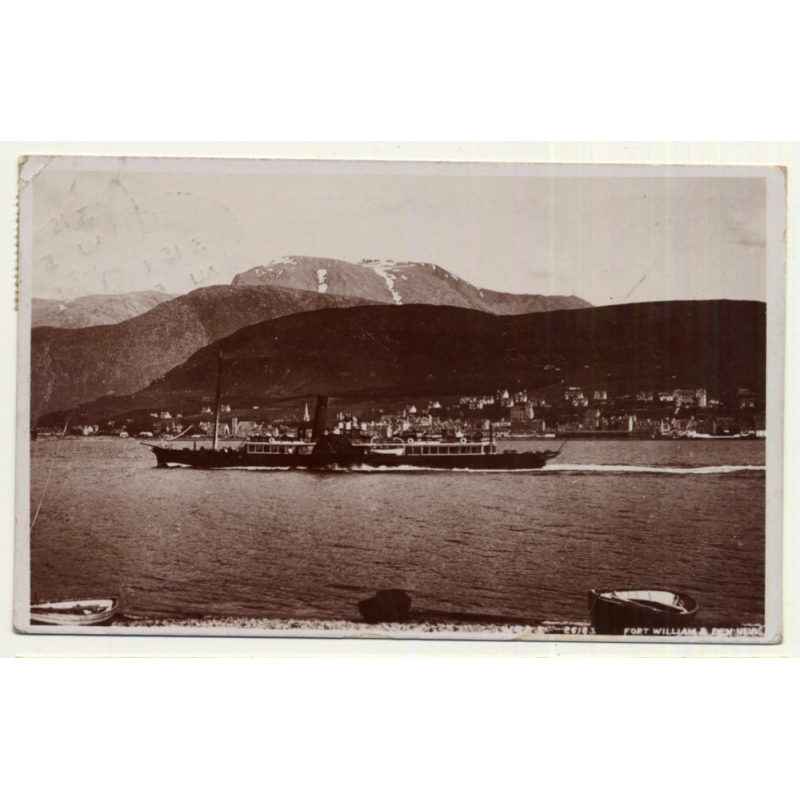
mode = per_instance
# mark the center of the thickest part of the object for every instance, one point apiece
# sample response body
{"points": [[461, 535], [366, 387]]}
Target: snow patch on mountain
{"points": [[390, 279], [321, 275], [388, 271]]}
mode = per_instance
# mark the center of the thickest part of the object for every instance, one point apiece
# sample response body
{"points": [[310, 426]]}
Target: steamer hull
{"points": [[224, 459]]}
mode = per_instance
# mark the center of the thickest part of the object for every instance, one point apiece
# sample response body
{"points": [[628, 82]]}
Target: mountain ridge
{"points": [[70, 366], [94, 309], [382, 352], [397, 282]]}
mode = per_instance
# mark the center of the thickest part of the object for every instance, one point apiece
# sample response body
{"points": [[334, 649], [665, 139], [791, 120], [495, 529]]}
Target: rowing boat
{"points": [[74, 612], [617, 611]]}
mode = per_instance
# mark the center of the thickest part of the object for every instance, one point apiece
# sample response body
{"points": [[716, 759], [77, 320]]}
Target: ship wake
{"points": [[572, 469], [714, 470]]}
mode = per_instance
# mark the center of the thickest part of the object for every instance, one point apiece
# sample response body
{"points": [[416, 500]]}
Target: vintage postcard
{"points": [[490, 401]]}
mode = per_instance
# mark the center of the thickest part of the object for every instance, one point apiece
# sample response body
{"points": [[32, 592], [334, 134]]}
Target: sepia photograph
{"points": [[411, 399]]}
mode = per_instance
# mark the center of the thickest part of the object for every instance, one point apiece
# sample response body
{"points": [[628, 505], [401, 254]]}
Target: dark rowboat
{"points": [[615, 611], [387, 605], [74, 612]]}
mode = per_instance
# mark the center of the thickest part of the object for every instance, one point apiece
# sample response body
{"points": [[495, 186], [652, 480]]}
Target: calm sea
{"points": [[295, 545]]}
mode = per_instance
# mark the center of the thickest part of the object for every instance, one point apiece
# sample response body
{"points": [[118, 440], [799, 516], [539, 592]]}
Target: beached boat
{"points": [[614, 611], [324, 450], [387, 605], [74, 612]]}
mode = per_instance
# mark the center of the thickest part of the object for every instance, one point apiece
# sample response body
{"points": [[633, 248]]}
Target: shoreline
{"points": [[417, 626]]}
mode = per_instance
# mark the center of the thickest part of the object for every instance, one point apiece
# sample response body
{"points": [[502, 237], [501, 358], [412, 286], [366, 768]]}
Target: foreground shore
{"points": [[417, 626]]}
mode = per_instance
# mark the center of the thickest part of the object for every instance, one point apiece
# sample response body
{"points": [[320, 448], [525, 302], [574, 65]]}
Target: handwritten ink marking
{"points": [[636, 286]]}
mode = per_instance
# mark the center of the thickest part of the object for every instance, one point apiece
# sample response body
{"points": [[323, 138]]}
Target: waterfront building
{"points": [[702, 398], [745, 398], [725, 426], [242, 427], [684, 397], [521, 412]]}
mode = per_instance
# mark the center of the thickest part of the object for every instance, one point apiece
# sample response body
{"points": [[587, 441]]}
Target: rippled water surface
{"points": [[676, 514]]}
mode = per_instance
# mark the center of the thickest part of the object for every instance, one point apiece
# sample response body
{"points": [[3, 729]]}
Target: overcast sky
{"points": [[605, 239]]}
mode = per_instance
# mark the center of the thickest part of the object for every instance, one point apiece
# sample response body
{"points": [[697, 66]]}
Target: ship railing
{"points": [[288, 446], [423, 448]]}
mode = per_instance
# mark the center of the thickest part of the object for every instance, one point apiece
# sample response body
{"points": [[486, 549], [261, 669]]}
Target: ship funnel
{"points": [[320, 415]]}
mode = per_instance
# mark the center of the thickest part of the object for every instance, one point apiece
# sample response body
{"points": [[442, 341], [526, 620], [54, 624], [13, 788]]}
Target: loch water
{"points": [[685, 514]]}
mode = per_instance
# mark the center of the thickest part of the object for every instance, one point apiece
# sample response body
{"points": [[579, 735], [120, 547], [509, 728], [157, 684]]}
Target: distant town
{"points": [[564, 411]]}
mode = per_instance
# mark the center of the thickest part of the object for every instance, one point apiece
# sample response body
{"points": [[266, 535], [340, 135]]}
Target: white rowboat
{"points": [[74, 612]]}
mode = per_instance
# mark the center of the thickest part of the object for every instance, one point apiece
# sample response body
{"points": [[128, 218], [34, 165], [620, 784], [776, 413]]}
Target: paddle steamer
{"points": [[324, 450]]}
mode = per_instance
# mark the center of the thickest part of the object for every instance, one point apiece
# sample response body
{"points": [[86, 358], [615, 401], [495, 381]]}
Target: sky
{"points": [[606, 239]]}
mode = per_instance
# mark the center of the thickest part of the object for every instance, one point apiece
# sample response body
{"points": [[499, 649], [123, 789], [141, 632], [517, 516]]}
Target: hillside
{"points": [[93, 309], [73, 366], [401, 283], [384, 352]]}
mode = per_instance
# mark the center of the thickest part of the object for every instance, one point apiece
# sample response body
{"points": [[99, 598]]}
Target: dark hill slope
{"points": [[93, 309], [400, 282], [69, 367], [390, 352]]}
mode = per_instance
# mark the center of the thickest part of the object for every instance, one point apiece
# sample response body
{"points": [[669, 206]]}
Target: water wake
{"points": [[549, 468], [715, 470]]}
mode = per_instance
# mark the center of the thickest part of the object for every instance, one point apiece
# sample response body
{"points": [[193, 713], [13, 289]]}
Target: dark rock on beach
{"points": [[388, 605]]}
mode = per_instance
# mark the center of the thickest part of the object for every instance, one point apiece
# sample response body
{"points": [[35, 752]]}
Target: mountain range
{"points": [[73, 366], [384, 352], [93, 309], [75, 363], [397, 282]]}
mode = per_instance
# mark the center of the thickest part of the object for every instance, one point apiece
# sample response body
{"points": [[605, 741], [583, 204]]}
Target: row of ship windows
{"points": [[449, 450], [270, 448], [418, 450]]}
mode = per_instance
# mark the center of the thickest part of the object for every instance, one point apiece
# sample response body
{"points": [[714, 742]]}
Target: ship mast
{"points": [[216, 418]]}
